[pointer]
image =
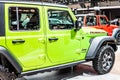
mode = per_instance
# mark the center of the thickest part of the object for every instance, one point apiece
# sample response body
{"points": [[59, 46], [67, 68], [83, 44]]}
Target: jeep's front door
{"points": [[62, 46], [104, 24], [24, 35]]}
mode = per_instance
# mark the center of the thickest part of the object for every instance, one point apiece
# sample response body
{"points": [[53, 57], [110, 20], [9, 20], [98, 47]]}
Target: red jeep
{"points": [[97, 21], [100, 22]]}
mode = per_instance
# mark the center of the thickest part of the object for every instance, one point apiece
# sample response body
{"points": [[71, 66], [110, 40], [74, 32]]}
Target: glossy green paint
{"points": [[63, 50], [37, 51], [31, 54]]}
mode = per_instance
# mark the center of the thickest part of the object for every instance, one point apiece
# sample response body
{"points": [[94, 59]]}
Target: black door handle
{"points": [[53, 39], [18, 41]]}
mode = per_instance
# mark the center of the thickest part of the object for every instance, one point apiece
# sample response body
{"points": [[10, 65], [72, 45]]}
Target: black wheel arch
{"points": [[97, 43], [7, 55], [115, 31], [115, 34]]}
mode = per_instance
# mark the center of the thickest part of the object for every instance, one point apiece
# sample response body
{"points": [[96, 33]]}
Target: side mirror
{"points": [[78, 25]]}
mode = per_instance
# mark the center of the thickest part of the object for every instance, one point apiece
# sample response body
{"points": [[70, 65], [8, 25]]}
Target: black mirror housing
{"points": [[78, 25]]}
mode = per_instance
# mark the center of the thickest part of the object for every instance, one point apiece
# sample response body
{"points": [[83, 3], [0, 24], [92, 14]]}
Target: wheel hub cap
{"points": [[107, 61]]}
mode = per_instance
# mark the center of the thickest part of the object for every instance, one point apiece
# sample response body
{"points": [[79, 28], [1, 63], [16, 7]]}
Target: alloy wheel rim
{"points": [[107, 61]]}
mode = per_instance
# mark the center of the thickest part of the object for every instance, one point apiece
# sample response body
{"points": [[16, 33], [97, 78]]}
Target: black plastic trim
{"points": [[115, 34], [115, 31], [96, 44], [2, 20], [52, 68], [11, 59]]}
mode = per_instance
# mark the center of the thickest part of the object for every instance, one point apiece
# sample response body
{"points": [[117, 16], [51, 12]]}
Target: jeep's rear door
{"points": [[62, 45], [24, 34]]}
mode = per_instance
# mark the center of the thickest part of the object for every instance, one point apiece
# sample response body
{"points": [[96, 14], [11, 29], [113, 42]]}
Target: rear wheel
{"points": [[5, 74], [104, 60]]}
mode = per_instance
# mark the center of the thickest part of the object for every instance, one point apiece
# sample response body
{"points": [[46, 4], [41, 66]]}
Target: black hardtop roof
{"points": [[34, 3]]}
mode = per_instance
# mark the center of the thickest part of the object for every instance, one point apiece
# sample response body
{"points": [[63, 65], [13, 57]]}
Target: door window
{"points": [[91, 20], [22, 18], [103, 21], [59, 19]]}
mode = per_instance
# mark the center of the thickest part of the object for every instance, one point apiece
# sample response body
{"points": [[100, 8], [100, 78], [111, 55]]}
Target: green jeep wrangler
{"points": [[38, 37]]}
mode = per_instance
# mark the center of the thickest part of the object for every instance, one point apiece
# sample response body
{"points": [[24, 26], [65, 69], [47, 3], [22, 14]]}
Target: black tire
{"points": [[118, 38], [5, 74], [104, 60]]}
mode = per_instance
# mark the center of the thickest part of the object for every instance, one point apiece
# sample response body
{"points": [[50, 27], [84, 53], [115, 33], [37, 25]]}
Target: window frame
{"points": [[17, 13], [104, 19], [60, 10]]}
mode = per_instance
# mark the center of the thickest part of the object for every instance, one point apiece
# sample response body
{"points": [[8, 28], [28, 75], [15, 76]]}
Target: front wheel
{"points": [[104, 60]]}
